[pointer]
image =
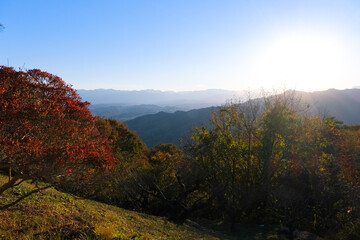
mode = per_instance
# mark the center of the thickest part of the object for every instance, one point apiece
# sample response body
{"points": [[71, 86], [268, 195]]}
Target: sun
{"points": [[302, 61]]}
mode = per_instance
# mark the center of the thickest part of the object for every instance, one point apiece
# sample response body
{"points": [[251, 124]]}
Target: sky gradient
{"points": [[187, 44]]}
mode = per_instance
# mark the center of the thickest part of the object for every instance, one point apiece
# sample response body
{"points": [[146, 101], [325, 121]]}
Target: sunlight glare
{"points": [[301, 61]]}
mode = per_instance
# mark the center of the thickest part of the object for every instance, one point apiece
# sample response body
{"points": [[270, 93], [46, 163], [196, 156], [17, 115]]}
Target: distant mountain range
{"points": [[123, 112], [127, 105], [344, 105], [163, 127], [196, 99]]}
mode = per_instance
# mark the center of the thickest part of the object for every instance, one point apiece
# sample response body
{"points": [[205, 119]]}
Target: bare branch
{"points": [[23, 197]]}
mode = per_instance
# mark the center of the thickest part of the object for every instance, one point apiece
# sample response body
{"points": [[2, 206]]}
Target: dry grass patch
{"points": [[106, 230]]}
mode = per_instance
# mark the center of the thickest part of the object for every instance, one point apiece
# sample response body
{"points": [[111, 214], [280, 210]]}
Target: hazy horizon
{"points": [[215, 89]]}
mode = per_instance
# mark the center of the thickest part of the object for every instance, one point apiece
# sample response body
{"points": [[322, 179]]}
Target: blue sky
{"points": [[185, 45]]}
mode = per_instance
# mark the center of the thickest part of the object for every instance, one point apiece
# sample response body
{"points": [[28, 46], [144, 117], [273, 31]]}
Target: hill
{"points": [[168, 127], [123, 113], [153, 129], [344, 105], [56, 215]]}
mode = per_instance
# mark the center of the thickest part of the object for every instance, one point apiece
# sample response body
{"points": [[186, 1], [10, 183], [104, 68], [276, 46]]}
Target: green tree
{"points": [[228, 153], [120, 185]]}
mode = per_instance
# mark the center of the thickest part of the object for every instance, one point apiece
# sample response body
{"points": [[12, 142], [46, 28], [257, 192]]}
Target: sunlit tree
{"points": [[46, 131]]}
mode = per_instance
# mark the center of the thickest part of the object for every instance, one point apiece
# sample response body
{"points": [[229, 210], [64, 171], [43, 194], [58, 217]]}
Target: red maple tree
{"points": [[46, 131]]}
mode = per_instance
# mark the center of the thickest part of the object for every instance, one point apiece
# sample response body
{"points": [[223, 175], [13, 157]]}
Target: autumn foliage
{"points": [[46, 131], [263, 161]]}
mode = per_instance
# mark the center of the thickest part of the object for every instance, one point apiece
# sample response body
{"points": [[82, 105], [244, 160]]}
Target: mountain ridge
{"points": [[202, 97], [124, 105], [163, 127]]}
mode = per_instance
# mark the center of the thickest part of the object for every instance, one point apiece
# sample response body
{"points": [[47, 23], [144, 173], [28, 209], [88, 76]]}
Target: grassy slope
{"points": [[52, 214], [55, 215]]}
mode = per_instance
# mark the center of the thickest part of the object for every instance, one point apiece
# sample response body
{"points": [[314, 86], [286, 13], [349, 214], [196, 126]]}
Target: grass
{"points": [[52, 214]]}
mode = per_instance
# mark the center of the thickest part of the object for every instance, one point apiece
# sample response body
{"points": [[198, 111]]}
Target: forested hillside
{"points": [[263, 164], [169, 127], [344, 105]]}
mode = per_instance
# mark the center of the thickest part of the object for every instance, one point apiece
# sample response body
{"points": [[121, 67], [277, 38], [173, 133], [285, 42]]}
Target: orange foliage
{"points": [[45, 128]]}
